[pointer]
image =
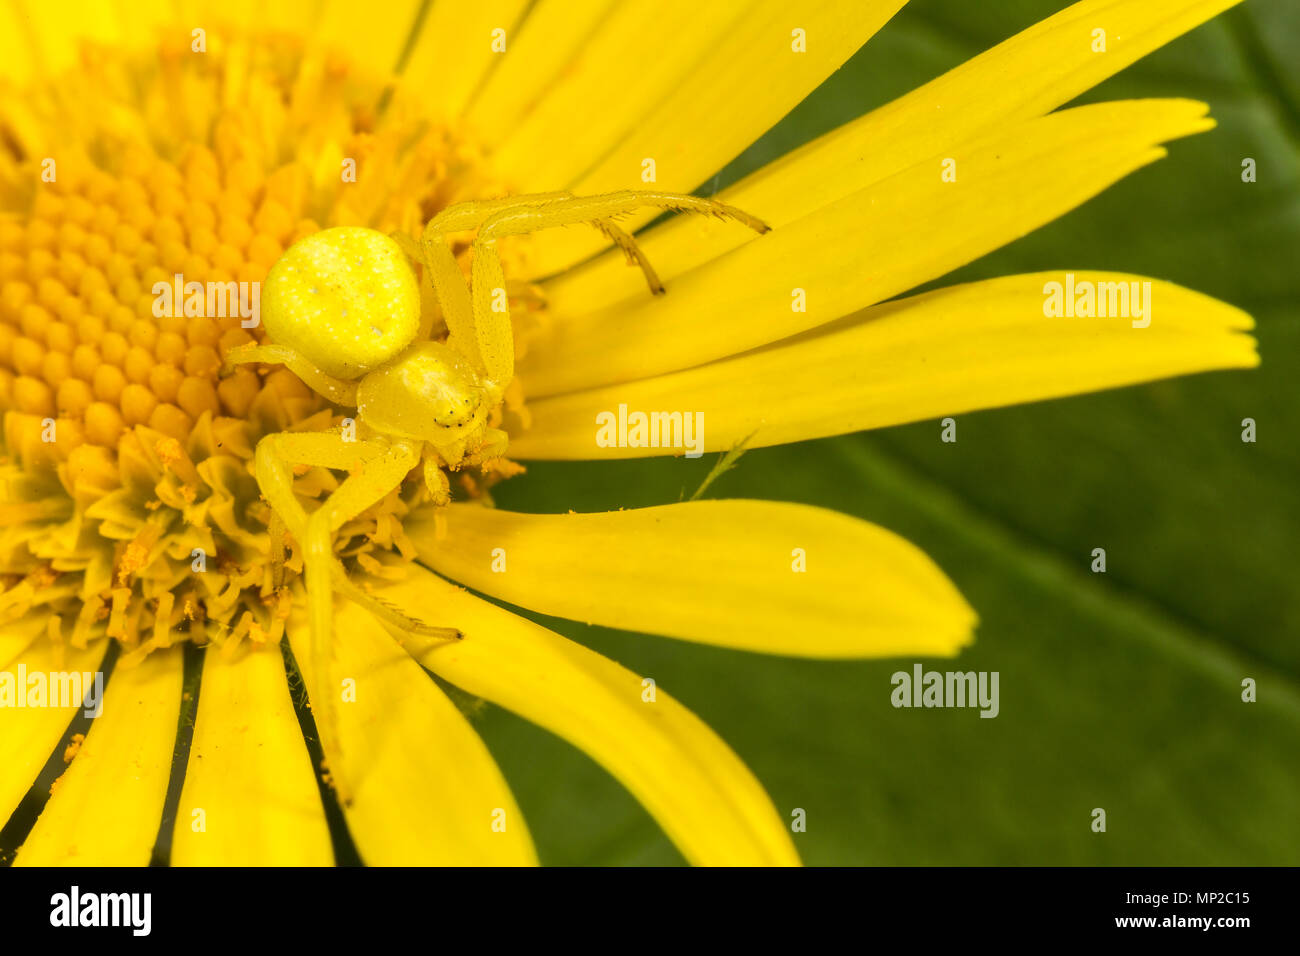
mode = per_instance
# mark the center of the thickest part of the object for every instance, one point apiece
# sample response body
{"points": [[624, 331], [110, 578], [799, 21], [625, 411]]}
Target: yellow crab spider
{"points": [[342, 310]]}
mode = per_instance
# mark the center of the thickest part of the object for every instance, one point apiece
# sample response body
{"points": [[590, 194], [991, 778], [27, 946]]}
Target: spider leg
{"points": [[491, 327], [520, 219], [465, 216], [378, 465], [481, 337], [635, 257], [444, 272], [336, 390]]}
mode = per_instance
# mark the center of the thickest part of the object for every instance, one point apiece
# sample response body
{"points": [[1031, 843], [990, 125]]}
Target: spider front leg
{"points": [[452, 292], [378, 466], [596, 210], [465, 216], [492, 328], [486, 337], [335, 389]]}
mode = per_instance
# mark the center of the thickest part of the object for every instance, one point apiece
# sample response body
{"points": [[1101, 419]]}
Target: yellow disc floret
{"points": [[345, 298]]}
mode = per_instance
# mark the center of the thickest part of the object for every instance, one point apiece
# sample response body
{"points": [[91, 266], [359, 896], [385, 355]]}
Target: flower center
{"points": [[81, 341], [127, 499]]}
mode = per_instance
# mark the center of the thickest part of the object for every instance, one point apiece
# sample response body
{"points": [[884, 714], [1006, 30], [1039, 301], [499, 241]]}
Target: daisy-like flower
{"points": [[144, 141]]}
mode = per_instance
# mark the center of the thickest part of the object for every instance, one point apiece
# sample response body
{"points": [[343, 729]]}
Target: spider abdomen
{"points": [[345, 298]]}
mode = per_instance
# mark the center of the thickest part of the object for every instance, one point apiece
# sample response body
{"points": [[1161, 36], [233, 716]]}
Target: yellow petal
{"points": [[718, 572], [218, 16], [867, 247], [685, 776], [1028, 75], [141, 24], [749, 77], [107, 807], [426, 792], [28, 735], [638, 52], [376, 41], [967, 347], [18, 636], [53, 32], [18, 50], [250, 795], [547, 41], [453, 52]]}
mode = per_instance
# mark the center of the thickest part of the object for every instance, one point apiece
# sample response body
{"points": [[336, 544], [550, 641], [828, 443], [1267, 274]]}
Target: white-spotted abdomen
{"points": [[345, 298]]}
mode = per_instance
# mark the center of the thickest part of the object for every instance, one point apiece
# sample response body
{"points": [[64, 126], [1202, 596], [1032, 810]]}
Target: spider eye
{"points": [[345, 298]]}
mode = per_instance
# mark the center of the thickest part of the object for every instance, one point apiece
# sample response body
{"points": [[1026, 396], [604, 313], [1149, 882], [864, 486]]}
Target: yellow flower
{"points": [[203, 142]]}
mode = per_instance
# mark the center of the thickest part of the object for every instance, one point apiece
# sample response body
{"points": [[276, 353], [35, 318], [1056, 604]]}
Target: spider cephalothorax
{"points": [[342, 310]]}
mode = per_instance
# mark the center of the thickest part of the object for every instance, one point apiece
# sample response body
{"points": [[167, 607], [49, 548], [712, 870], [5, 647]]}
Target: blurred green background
{"points": [[1120, 690]]}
